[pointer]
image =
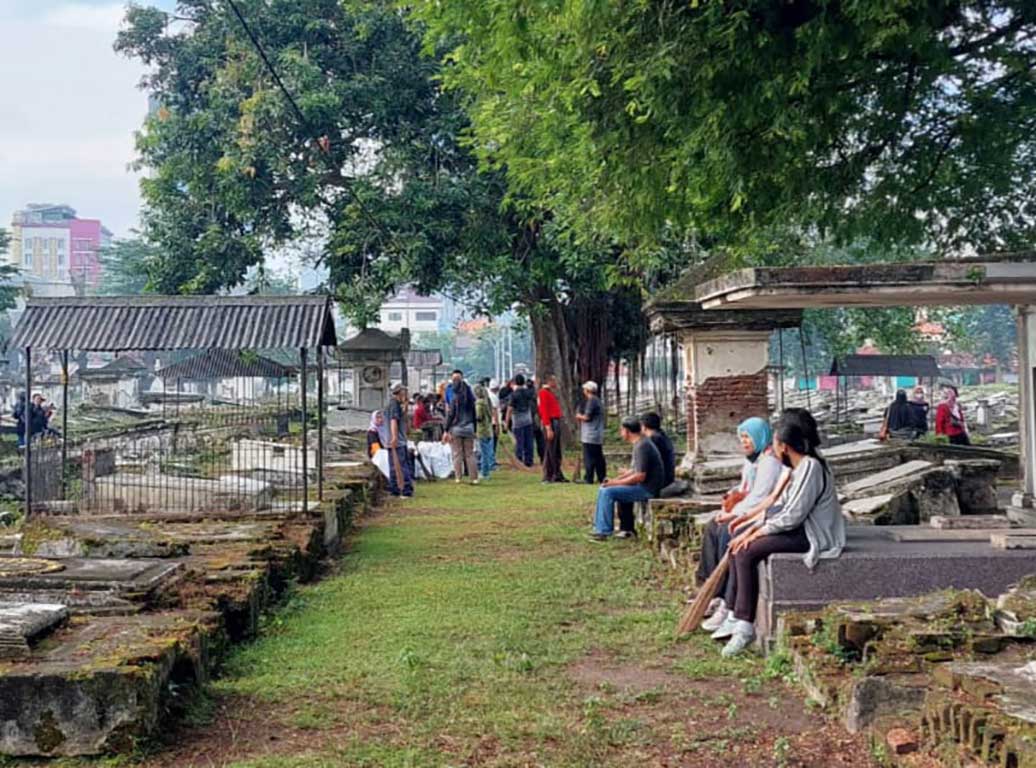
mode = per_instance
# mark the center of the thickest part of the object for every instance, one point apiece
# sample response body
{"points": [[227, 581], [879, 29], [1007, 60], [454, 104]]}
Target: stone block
{"points": [[101, 683], [872, 566], [901, 741], [23, 624], [969, 521]]}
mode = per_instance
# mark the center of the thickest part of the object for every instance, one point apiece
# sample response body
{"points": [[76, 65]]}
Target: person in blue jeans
{"points": [[401, 482], [520, 408], [484, 431], [642, 481]]}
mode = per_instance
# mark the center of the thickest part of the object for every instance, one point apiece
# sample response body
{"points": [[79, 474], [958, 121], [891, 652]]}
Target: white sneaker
{"points": [[744, 635], [714, 605], [726, 629], [716, 620]]}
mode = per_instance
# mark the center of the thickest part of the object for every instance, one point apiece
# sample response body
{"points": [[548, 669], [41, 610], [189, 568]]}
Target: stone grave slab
{"points": [[1014, 539], [260, 457], [98, 684], [162, 492], [881, 482], [866, 507], [874, 565], [95, 602], [22, 624], [924, 533], [985, 522], [121, 576], [78, 537]]}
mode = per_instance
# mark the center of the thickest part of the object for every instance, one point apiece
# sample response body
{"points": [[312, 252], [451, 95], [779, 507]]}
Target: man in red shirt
{"points": [[550, 417]]}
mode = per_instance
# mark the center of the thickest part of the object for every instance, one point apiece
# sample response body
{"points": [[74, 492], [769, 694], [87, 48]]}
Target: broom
{"points": [[695, 612]]}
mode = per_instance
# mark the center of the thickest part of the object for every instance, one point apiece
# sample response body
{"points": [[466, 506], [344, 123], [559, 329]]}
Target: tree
{"points": [[373, 158], [906, 121], [10, 289], [124, 267], [981, 330]]}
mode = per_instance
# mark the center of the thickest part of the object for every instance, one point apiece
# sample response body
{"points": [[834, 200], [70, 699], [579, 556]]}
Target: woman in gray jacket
{"points": [[807, 520]]}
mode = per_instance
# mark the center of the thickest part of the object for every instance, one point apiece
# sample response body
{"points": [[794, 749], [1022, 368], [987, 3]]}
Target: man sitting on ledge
{"points": [[642, 481]]}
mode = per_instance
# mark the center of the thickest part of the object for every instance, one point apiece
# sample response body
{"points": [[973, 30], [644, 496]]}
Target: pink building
{"points": [[88, 237], [51, 243]]}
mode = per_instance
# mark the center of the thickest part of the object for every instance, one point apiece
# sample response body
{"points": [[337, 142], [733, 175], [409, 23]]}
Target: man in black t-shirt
{"points": [[642, 481], [652, 424], [520, 407]]}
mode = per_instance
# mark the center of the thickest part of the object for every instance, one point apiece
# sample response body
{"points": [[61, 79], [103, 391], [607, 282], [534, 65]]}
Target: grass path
{"points": [[476, 626]]}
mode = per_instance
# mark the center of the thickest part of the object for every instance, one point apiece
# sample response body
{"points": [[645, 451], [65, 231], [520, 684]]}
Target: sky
{"points": [[69, 110]]}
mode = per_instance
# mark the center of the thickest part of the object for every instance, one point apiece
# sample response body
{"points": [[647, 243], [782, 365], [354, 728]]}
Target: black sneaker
{"points": [[598, 537], [626, 535]]}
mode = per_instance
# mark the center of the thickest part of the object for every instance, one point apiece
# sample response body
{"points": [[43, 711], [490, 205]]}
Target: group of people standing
{"points": [[471, 420], [908, 418]]}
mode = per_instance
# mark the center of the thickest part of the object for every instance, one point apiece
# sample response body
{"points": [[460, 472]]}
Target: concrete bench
{"points": [[875, 565]]}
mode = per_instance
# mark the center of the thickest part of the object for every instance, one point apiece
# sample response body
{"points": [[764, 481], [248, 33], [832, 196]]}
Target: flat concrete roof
{"points": [[1007, 279]]}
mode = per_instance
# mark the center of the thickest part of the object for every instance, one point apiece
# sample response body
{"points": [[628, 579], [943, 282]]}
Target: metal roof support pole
{"points": [[27, 421], [303, 376], [320, 423], [64, 423], [805, 369], [779, 402]]}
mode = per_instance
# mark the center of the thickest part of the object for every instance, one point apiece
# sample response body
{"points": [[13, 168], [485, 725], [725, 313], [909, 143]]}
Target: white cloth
{"points": [[438, 457]]}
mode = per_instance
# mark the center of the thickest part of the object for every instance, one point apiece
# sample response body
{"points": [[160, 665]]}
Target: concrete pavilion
{"points": [[1004, 279]]}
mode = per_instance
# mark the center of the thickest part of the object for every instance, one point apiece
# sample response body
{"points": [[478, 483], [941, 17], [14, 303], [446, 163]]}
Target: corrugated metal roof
{"points": [[885, 365], [124, 323], [225, 364]]}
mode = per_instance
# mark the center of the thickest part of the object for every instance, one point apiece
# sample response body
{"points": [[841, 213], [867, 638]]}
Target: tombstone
{"points": [[982, 416]]}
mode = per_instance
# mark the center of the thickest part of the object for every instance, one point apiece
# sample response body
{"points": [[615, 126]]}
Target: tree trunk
{"points": [[588, 322], [553, 353]]}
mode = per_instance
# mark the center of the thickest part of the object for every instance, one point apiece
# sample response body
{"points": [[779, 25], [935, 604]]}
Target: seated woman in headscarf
{"points": [[900, 420], [759, 475], [807, 520], [378, 436]]}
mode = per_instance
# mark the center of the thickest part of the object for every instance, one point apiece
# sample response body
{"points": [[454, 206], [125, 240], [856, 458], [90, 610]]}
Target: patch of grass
{"points": [[455, 615]]}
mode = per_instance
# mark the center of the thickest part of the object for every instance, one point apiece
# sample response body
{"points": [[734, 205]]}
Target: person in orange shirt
{"points": [[550, 417]]}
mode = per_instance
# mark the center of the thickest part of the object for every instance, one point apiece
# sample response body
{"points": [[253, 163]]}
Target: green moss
{"points": [[47, 735], [35, 533]]}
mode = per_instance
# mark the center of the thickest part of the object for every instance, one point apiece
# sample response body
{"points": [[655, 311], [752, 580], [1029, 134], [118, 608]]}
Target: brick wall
{"points": [[716, 406]]}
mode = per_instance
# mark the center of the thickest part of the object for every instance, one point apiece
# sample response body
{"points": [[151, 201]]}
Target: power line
{"points": [[306, 125]]}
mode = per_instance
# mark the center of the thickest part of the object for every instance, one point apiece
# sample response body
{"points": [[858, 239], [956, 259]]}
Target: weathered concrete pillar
{"points": [[726, 383], [1027, 408]]}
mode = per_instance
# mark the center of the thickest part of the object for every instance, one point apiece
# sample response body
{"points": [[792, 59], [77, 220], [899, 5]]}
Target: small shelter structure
{"points": [[997, 279], [725, 359], [117, 383], [370, 355], [183, 463], [919, 367]]}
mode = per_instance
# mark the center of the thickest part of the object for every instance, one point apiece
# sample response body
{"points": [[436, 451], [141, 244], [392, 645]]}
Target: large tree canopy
{"points": [[900, 120], [372, 168]]}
